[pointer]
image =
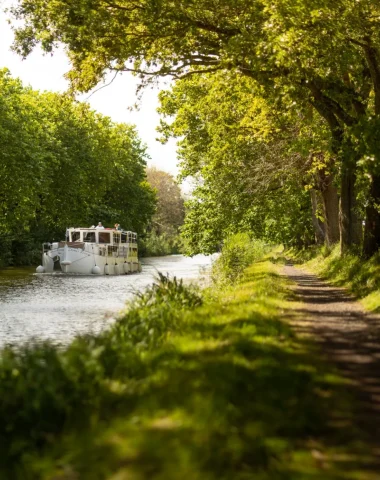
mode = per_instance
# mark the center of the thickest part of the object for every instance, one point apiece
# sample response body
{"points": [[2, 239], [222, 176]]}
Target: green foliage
{"points": [[163, 231], [238, 252], [169, 292], [215, 389], [156, 245], [250, 165], [169, 213], [313, 63], [64, 165]]}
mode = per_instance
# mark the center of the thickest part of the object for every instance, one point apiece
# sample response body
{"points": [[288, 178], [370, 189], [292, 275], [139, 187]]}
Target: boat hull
{"points": [[89, 259]]}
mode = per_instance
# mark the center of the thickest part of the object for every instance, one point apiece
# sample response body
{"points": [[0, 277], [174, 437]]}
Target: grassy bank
{"points": [[184, 386], [361, 277]]}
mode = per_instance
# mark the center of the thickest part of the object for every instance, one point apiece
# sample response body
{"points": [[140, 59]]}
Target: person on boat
{"points": [[100, 226], [117, 226]]}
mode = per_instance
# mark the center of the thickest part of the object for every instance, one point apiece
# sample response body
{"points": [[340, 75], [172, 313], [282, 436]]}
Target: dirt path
{"points": [[349, 337]]}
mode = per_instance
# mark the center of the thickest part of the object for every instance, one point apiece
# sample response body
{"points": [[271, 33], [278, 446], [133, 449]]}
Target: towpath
{"points": [[349, 337]]}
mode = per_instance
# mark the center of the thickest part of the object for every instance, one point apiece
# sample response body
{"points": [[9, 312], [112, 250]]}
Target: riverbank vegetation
{"points": [[183, 385], [64, 165]]}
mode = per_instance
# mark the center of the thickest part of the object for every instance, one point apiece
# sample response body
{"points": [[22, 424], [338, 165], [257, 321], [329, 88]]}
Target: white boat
{"points": [[92, 251]]}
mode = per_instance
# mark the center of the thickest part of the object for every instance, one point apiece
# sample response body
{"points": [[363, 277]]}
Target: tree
{"points": [[23, 163], [254, 165], [325, 56], [64, 165], [170, 204]]}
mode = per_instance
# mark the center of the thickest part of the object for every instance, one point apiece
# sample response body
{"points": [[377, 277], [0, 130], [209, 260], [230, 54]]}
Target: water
{"points": [[57, 307]]}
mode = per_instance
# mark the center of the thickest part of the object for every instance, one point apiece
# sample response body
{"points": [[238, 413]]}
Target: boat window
{"points": [[75, 236], [116, 237], [123, 238], [89, 237], [104, 237], [113, 250]]}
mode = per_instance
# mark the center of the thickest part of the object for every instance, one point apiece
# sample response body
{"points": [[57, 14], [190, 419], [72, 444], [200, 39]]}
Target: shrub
{"points": [[156, 245], [156, 312], [238, 252]]}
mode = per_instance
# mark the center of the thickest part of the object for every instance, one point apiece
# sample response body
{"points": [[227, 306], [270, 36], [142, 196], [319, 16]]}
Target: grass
{"points": [[361, 277], [184, 386]]}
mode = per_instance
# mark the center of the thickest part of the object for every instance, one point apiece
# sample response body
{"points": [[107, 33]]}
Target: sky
{"points": [[45, 72]]}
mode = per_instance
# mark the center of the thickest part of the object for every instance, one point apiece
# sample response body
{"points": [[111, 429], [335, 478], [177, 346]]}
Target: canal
{"points": [[58, 307]]}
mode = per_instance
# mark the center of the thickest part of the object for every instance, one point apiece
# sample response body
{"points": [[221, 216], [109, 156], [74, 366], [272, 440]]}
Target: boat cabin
{"points": [[107, 236]]}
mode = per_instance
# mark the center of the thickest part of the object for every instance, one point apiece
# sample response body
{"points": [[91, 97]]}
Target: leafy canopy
{"points": [[64, 165]]}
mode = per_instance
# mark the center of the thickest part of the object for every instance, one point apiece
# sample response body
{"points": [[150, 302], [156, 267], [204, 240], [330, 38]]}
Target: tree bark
{"points": [[371, 242], [331, 212], [332, 113], [330, 201], [318, 230], [350, 223]]}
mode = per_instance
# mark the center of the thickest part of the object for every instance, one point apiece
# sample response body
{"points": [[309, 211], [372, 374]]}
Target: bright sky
{"points": [[45, 72]]}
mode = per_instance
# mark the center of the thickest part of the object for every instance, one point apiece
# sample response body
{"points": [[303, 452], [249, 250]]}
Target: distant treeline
{"points": [[63, 165]]}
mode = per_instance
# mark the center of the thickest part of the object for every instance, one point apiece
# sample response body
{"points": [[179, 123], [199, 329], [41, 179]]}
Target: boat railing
{"points": [[113, 251], [119, 250], [71, 244], [123, 251]]}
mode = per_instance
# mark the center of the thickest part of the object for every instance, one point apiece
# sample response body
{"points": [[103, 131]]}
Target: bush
{"points": [[156, 245], [156, 312], [238, 252]]}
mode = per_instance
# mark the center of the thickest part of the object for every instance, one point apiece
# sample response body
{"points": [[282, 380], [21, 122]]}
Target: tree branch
{"points": [[213, 28], [328, 103], [103, 86], [372, 58], [130, 8]]}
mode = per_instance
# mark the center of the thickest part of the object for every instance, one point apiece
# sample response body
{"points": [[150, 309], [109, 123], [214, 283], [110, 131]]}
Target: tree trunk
{"points": [[350, 224], [330, 201], [337, 119], [371, 242], [318, 230]]}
